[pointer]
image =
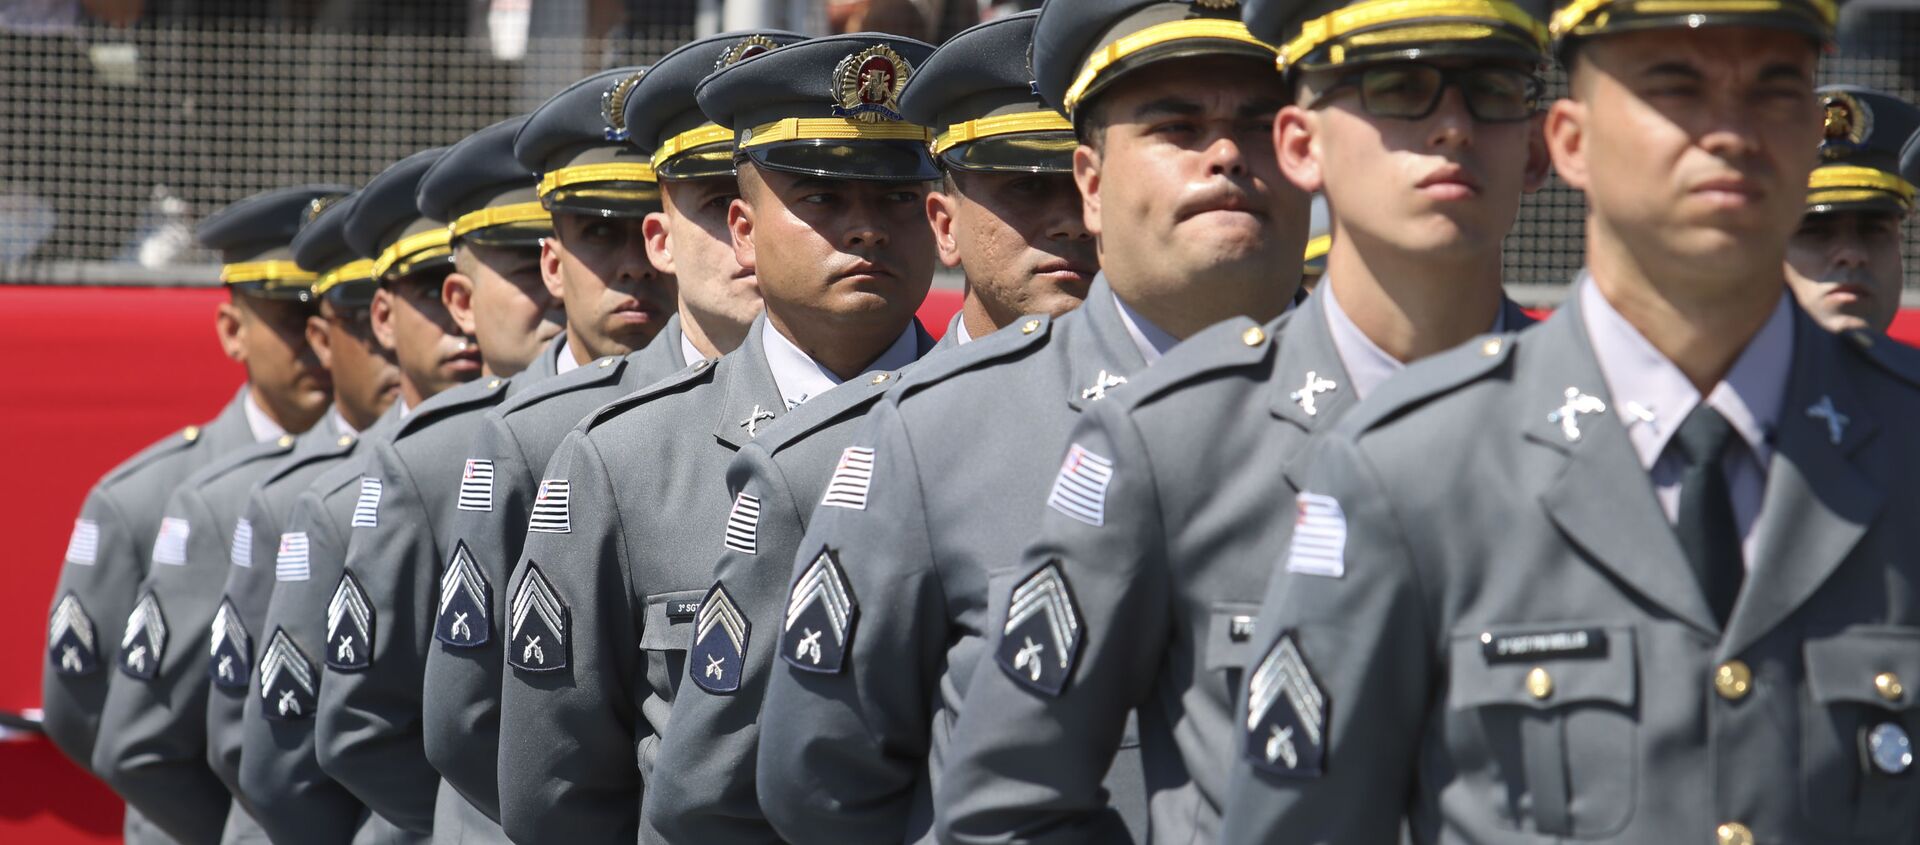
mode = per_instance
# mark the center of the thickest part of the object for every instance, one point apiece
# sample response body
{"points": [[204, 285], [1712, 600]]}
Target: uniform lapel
{"points": [[1597, 493], [753, 398], [1818, 502], [671, 336], [1103, 355], [1308, 375]]}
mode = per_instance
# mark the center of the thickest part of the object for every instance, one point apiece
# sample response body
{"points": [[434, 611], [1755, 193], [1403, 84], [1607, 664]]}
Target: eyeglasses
{"points": [[1411, 91]]}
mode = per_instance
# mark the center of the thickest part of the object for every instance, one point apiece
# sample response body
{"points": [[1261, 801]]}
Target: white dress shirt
{"points": [[264, 428], [800, 378], [1367, 365]]}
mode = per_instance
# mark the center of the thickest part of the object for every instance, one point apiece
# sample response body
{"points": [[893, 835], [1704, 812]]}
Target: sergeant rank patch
{"points": [[1041, 639], [1286, 713], [743, 524], [286, 680], [1080, 490], [366, 509], [466, 600], [476, 486], [230, 653], [537, 636], [70, 638], [349, 627], [552, 512], [719, 643], [145, 639], [241, 552], [83, 545], [820, 617], [170, 545]]}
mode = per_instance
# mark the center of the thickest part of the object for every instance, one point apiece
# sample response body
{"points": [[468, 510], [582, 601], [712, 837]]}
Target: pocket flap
{"points": [[1876, 665], [1230, 641], [669, 622], [1577, 663]]}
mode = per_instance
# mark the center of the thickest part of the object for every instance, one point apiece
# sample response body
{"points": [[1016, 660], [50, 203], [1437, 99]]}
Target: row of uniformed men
{"points": [[1544, 628]]}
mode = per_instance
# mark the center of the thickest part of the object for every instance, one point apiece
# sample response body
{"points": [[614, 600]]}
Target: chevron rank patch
{"points": [[349, 627], [1319, 545], [852, 479], [1041, 639], [476, 486], [550, 511], [70, 642], [290, 562], [366, 509], [537, 620], [1286, 714], [466, 600], [820, 616], [170, 545], [719, 643], [1080, 490], [83, 545], [241, 552], [743, 524], [230, 655], [145, 639], [286, 680]]}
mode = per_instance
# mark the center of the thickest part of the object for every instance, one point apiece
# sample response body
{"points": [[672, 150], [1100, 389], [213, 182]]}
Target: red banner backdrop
{"points": [[91, 375]]}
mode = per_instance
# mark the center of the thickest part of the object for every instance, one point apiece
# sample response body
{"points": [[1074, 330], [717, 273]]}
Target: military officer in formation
{"points": [[628, 394], [1845, 262]]}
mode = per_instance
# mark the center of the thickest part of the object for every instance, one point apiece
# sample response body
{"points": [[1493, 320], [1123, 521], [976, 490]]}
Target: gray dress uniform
{"points": [[152, 742], [851, 745], [465, 663], [1563, 677], [277, 769]]}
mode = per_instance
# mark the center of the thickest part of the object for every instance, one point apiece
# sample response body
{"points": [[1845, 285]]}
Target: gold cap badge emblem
{"points": [[1848, 123], [613, 105], [867, 85], [744, 49]]}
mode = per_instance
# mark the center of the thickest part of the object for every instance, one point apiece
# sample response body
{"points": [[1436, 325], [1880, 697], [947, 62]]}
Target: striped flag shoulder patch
{"points": [[366, 509], [551, 514], [290, 562], [1080, 490], [170, 545], [83, 545], [743, 524], [852, 480], [476, 486], [1319, 544], [241, 553]]}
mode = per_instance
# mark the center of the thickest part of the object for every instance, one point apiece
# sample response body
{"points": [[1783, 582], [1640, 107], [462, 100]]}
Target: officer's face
{"points": [[688, 239], [496, 292], [1183, 192], [616, 299], [1845, 269], [270, 339], [1443, 187], [411, 322], [1693, 148], [1020, 239], [365, 380], [843, 252]]}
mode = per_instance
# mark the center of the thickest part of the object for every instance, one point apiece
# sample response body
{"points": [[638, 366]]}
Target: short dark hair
{"points": [[1090, 122]]}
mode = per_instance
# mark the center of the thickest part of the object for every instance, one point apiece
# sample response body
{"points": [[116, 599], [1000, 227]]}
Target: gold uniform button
{"points": [[191, 434], [1888, 685], [879, 378], [605, 363], [1733, 833], [1733, 680], [1490, 348], [1539, 683], [1253, 336], [1030, 326], [346, 440], [493, 385], [286, 440]]}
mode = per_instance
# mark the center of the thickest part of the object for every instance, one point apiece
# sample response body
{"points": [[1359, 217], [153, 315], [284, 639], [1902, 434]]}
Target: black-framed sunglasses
{"points": [[1412, 90]]}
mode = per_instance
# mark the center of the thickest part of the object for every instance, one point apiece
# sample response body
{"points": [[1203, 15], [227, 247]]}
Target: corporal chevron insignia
{"points": [[743, 524], [241, 553], [145, 639], [1286, 713], [537, 637], [230, 656], [719, 643], [366, 510], [83, 545], [852, 479], [70, 644], [550, 511], [1080, 490], [476, 486], [286, 680], [349, 627], [170, 545], [466, 602], [820, 616], [290, 562], [1041, 639]]}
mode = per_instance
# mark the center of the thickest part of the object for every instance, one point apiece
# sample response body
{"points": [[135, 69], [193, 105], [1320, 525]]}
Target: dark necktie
{"points": [[1705, 524]]}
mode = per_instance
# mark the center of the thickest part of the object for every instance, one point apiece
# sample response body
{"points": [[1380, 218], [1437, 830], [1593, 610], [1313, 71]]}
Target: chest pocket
{"points": [[1541, 724], [1864, 708], [668, 632]]}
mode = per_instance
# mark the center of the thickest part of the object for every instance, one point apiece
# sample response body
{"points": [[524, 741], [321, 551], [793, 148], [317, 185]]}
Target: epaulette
{"points": [[454, 400], [313, 446], [1896, 358], [238, 458], [852, 398], [177, 443], [1017, 339], [591, 374], [1231, 345], [698, 372], [1432, 377]]}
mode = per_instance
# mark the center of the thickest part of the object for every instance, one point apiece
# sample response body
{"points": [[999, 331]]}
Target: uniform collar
{"points": [[264, 429], [1367, 365], [563, 360], [339, 422], [1151, 340], [1651, 396], [1102, 351], [958, 328], [800, 378], [688, 352]]}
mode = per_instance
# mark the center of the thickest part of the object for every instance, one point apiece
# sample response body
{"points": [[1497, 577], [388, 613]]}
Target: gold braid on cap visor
{"points": [[1006, 124], [352, 271], [1847, 183], [1209, 29], [1443, 20], [274, 273], [487, 218], [691, 139], [832, 129], [413, 249], [611, 171], [1570, 19]]}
